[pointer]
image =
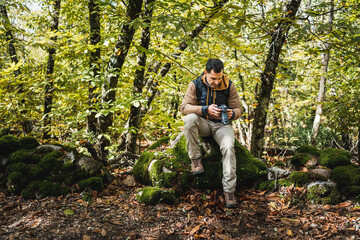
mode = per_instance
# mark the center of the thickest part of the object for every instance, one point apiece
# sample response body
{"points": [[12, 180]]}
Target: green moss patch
{"points": [[28, 143], [299, 178], [162, 141], [300, 159], [332, 157], [25, 156], [346, 175], [94, 183], [8, 144], [309, 149], [155, 195], [323, 193]]}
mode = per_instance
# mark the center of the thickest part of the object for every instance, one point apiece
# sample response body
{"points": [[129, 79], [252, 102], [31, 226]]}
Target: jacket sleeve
{"points": [[234, 102], [189, 103]]}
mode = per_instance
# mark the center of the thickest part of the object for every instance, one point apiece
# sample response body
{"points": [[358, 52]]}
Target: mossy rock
{"points": [[94, 183], [155, 195], [346, 175], [52, 160], [332, 157], [299, 178], [300, 159], [19, 167], [323, 193], [309, 149], [164, 140], [352, 191], [25, 156], [158, 169], [270, 185], [279, 164], [28, 143], [17, 181], [8, 144], [4, 131], [45, 188]]}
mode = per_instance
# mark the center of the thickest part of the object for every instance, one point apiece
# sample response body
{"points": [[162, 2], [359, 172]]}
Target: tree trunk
{"points": [[268, 78], [135, 117], [322, 89], [49, 87], [152, 84], [358, 146], [95, 38], [25, 123], [114, 67]]}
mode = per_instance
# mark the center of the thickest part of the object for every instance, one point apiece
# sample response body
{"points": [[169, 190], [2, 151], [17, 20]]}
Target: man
{"points": [[202, 118]]}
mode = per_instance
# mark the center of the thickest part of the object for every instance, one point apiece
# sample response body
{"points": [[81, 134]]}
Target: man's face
{"points": [[214, 78]]}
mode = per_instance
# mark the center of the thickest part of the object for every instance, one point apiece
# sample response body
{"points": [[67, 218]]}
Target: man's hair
{"points": [[214, 64]]}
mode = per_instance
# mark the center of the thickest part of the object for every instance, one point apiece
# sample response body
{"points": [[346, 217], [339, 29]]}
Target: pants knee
{"points": [[191, 119]]}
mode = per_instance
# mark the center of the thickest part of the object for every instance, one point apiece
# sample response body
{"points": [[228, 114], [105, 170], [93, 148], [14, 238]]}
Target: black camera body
{"points": [[224, 116]]}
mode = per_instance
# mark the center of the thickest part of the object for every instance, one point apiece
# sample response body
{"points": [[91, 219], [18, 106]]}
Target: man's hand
{"points": [[230, 113], [213, 110]]}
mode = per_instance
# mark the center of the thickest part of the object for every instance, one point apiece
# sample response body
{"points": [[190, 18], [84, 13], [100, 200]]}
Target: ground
{"points": [[115, 214]]}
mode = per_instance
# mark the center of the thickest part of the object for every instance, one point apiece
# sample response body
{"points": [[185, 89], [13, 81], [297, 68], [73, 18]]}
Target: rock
{"points": [[320, 192], [50, 147], [308, 149], [311, 162], [276, 173], [130, 181], [90, 165], [332, 157], [155, 195], [321, 174]]}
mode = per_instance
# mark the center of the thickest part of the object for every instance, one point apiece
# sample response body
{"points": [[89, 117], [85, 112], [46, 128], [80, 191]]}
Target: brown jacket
{"points": [[190, 101]]}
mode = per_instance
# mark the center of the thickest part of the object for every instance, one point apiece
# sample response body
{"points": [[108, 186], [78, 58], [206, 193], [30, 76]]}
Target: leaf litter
{"points": [[115, 214]]}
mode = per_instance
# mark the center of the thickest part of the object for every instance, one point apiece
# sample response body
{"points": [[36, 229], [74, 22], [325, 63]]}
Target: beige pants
{"points": [[196, 126]]}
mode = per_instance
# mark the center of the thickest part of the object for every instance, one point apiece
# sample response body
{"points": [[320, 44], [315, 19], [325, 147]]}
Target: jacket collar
{"points": [[224, 84]]}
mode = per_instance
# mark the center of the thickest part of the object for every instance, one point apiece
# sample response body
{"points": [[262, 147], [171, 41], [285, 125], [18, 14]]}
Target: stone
{"points": [[130, 181], [90, 165], [322, 174], [277, 173], [49, 146], [321, 192]]}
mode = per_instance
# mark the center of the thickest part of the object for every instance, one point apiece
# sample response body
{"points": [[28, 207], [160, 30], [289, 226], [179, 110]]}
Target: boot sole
{"points": [[198, 172], [231, 205]]}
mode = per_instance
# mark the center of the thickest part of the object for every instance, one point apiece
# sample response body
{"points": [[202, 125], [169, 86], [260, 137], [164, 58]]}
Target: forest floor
{"points": [[115, 214]]}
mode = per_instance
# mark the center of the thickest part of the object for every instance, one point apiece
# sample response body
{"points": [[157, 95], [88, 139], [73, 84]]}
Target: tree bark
{"points": [[25, 123], [49, 87], [114, 67], [322, 88], [358, 145], [95, 38], [268, 78], [151, 83], [135, 117]]}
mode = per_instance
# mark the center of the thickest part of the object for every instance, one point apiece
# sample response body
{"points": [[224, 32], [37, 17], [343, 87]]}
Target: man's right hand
{"points": [[213, 110]]}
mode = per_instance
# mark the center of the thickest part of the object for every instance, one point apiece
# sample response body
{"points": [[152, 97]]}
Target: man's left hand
{"points": [[230, 113]]}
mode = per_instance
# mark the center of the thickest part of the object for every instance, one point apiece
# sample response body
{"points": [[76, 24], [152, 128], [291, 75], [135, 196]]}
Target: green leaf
{"points": [[69, 212]]}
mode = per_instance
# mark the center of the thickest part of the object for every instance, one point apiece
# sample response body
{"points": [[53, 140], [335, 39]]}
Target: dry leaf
{"points": [[343, 205], [289, 233], [86, 237], [103, 232], [327, 207], [195, 229]]}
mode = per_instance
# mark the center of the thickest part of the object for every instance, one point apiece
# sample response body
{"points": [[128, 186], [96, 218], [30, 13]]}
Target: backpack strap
{"points": [[199, 87]]}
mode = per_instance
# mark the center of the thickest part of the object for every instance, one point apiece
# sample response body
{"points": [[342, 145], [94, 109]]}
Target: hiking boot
{"points": [[196, 166], [230, 200]]}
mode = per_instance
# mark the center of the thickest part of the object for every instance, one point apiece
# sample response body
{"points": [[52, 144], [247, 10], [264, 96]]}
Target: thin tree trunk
{"points": [[268, 78], [152, 84], [135, 117], [95, 38], [49, 87], [25, 123], [114, 67], [358, 146], [322, 88]]}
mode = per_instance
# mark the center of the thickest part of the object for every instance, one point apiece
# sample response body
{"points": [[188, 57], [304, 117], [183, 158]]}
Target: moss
{"points": [[8, 144], [141, 166], [351, 191], [279, 164], [26, 194], [299, 178], [52, 160], [322, 194], [25, 156], [37, 172], [94, 183], [300, 159], [155, 195], [19, 167], [346, 175], [266, 185], [17, 181], [4, 131], [75, 175], [309, 149], [28, 143], [179, 151], [332, 157], [158, 143]]}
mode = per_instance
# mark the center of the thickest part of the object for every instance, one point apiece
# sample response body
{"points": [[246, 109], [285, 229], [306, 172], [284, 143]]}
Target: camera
{"points": [[224, 116]]}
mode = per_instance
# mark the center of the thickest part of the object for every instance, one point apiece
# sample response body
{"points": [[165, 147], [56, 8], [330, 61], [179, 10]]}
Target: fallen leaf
{"points": [[195, 229], [343, 205], [86, 237], [327, 207], [103, 232], [69, 212], [289, 233]]}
